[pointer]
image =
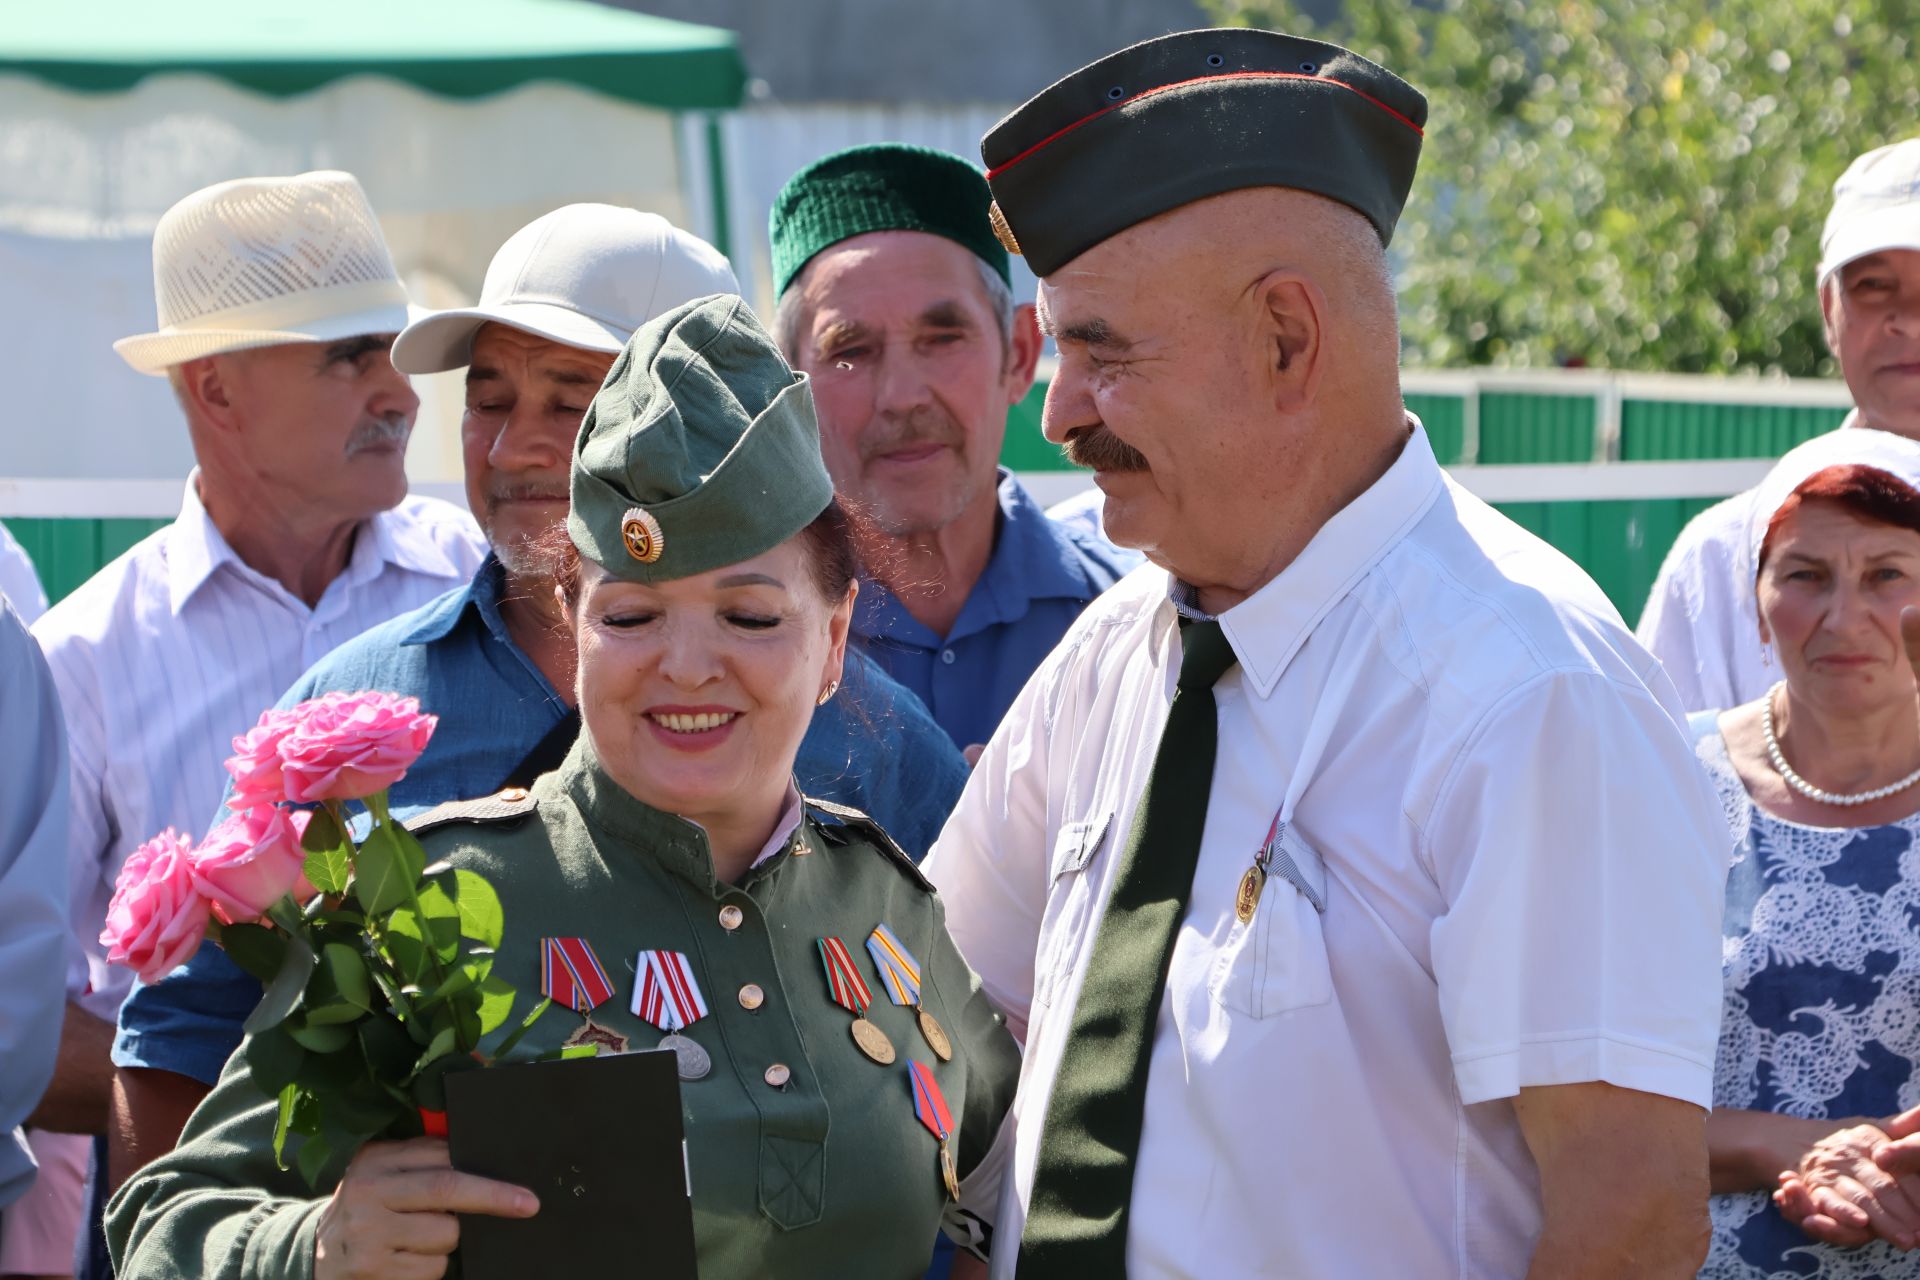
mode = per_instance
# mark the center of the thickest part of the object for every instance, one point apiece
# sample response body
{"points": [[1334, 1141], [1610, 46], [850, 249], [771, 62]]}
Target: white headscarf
{"points": [[1862, 446]]}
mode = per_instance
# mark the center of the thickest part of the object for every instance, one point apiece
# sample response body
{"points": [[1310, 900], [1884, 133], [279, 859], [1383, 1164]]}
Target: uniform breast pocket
{"points": [[1069, 903], [1277, 961]]}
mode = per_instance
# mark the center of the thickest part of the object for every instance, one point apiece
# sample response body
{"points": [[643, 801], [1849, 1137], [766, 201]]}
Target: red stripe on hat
{"points": [[997, 170]]}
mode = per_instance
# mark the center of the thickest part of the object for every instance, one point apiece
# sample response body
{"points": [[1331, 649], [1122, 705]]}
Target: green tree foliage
{"points": [[1623, 183]]}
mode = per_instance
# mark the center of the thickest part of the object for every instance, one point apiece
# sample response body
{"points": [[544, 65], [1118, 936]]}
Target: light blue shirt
{"points": [[874, 747], [1041, 575], [33, 890]]}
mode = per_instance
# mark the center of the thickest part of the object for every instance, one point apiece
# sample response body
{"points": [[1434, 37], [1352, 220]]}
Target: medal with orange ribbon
{"points": [[900, 974], [849, 991], [930, 1108]]}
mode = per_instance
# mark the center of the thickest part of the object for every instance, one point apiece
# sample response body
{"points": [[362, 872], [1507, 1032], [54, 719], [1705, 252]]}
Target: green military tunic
{"points": [[828, 1173]]}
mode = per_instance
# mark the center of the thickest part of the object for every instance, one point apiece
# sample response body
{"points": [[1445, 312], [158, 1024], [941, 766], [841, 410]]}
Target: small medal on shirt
{"points": [[572, 975], [849, 991], [666, 994], [1247, 900], [930, 1109], [900, 974]]}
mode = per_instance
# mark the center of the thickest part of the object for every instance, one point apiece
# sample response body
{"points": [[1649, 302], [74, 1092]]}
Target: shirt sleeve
{"points": [[33, 887], [93, 829], [217, 1204], [1689, 621], [188, 1022], [990, 862], [1582, 856]]}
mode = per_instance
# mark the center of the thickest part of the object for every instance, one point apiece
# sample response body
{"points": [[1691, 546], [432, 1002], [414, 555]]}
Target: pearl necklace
{"points": [[1806, 788]]}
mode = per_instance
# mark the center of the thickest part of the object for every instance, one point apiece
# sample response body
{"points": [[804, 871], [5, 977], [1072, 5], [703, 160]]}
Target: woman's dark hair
{"points": [[827, 541], [1865, 492]]}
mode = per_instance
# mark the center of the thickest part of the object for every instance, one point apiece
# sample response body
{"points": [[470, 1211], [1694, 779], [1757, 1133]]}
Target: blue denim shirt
{"points": [[1041, 575], [874, 747]]}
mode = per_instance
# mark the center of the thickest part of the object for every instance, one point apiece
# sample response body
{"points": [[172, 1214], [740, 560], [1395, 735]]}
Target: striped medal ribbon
{"points": [[930, 1108], [667, 995], [900, 974], [849, 991], [572, 975]]}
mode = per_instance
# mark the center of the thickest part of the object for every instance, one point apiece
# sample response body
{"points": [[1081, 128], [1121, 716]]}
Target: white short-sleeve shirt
{"points": [[1485, 781], [177, 646]]}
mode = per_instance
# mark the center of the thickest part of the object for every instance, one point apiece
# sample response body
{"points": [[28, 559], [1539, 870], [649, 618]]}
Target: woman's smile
{"points": [[682, 728]]}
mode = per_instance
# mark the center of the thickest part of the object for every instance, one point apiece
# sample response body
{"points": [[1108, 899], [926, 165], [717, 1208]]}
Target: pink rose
{"points": [[346, 746], [255, 762], [156, 918], [251, 861]]}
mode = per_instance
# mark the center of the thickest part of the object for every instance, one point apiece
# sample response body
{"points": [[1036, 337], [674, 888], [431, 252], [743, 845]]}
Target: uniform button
{"points": [[778, 1075], [730, 917], [513, 795], [752, 997], [946, 656]]}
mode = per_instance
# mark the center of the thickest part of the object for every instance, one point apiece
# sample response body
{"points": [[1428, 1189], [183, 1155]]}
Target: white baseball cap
{"points": [[586, 275], [1876, 206], [259, 262]]}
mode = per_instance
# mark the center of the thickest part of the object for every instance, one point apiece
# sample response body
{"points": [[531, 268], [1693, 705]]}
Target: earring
{"points": [[826, 694]]}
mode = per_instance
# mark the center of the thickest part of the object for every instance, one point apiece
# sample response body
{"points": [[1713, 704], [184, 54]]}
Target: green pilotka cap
{"points": [[700, 449], [883, 186], [1173, 120]]}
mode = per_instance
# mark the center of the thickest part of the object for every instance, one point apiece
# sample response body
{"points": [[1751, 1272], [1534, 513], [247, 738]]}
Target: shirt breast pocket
{"points": [[1277, 961], [1069, 903]]}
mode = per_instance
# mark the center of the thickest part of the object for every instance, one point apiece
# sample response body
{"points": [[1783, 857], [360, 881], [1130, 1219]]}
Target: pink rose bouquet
{"points": [[378, 969]]}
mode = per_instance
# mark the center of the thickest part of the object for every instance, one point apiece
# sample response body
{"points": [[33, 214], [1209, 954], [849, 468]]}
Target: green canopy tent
{"points": [[464, 119]]}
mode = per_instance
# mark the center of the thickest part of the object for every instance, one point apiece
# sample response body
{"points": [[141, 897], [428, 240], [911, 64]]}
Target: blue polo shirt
{"points": [[1041, 575], [874, 747]]}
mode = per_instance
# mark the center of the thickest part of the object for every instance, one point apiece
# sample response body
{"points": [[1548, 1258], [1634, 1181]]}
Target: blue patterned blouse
{"points": [[1821, 956]]}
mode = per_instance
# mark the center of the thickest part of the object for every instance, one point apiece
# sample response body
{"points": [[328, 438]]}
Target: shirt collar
{"points": [[196, 549], [481, 595], [1268, 627]]}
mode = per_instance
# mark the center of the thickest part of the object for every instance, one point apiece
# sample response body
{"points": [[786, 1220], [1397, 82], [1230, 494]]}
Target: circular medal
{"points": [[872, 1041], [693, 1061], [1248, 899], [948, 1173], [936, 1036]]}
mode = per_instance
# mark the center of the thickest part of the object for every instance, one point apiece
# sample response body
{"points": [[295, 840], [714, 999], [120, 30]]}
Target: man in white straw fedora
{"points": [[278, 302], [493, 659], [1700, 618]]}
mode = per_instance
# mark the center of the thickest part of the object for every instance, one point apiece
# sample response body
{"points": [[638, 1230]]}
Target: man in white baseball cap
{"points": [[493, 659], [277, 301], [1700, 619]]}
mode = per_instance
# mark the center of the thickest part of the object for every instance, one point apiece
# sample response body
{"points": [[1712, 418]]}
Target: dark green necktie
{"points": [[1083, 1185]]}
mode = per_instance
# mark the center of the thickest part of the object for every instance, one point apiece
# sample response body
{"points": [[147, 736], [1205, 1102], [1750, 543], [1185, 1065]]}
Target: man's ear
{"points": [[207, 388], [1292, 314], [1023, 353], [1830, 313]]}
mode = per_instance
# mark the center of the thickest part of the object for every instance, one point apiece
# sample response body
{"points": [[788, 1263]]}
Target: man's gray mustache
{"points": [[526, 493], [376, 432]]}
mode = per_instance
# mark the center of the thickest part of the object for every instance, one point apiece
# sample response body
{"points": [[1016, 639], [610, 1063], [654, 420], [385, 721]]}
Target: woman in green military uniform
{"points": [[671, 887]]}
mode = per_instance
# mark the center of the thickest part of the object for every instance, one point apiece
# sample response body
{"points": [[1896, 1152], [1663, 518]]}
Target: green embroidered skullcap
{"points": [[884, 186], [1174, 120], [699, 451]]}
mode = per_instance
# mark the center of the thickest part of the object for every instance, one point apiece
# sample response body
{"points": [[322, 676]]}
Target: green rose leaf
{"points": [[285, 990], [319, 1037], [282, 1121], [405, 946], [273, 1059], [387, 869], [481, 920], [442, 1044], [329, 853], [315, 1151], [260, 951], [441, 921], [496, 1002], [349, 973]]}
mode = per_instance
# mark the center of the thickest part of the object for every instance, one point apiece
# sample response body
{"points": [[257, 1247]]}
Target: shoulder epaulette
{"points": [[508, 805], [858, 823]]}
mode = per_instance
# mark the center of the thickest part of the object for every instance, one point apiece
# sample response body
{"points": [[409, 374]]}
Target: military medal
{"points": [[930, 1108], [900, 974], [1247, 901], [849, 991], [571, 975], [666, 995]]}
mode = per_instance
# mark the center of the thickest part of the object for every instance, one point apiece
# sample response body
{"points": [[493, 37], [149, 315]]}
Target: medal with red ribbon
{"points": [[849, 991], [572, 975], [930, 1108], [666, 994]]}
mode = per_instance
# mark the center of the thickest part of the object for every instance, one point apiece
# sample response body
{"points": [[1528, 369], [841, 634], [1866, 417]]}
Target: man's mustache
{"points": [[1100, 449], [375, 433], [527, 491], [920, 428]]}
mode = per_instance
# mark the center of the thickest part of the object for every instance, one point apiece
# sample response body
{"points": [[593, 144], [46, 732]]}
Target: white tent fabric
{"points": [[84, 177]]}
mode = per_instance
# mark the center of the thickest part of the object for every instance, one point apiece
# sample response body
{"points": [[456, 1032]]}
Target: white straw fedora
{"points": [[586, 275], [264, 261]]}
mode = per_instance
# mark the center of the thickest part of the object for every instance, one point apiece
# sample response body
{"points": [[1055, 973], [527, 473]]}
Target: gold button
{"points": [[752, 997], [513, 795], [730, 917], [778, 1075]]}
